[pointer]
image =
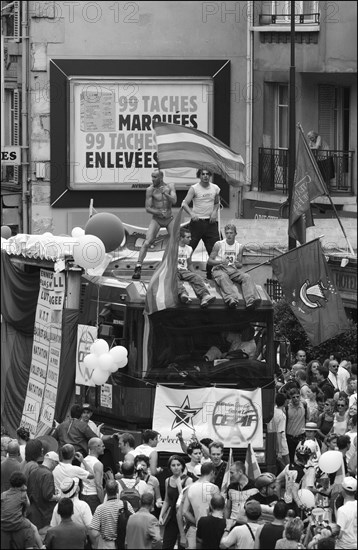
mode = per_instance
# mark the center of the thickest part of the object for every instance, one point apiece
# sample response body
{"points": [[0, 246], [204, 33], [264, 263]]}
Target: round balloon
{"points": [[91, 361], [105, 361], [330, 461], [89, 251], [119, 353], [306, 498], [99, 347], [77, 232], [108, 228], [6, 232], [100, 376], [121, 364]]}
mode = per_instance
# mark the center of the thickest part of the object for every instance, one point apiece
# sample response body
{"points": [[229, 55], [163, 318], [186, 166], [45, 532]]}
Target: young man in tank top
{"points": [[205, 197], [92, 491], [226, 259], [159, 199], [186, 272]]}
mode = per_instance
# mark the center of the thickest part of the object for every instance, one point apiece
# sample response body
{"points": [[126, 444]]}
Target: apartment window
{"points": [[282, 116], [334, 115], [282, 10]]}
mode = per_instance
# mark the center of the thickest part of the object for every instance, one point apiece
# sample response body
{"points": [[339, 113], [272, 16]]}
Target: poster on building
{"points": [[106, 397], [112, 142], [231, 416], [86, 335], [41, 395]]}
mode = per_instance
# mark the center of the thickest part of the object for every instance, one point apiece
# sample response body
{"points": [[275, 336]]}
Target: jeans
{"points": [[226, 275], [195, 280]]}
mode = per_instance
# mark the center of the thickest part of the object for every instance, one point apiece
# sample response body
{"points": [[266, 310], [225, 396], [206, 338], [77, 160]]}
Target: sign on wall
{"points": [[228, 415], [112, 142]]}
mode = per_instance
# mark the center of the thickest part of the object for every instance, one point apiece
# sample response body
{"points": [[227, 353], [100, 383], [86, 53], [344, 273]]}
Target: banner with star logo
{"points": [[308, 286], [231, 416]]}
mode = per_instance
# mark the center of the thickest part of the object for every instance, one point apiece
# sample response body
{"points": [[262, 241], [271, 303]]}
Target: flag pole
{"points": [[292, 124], [320, 178]]}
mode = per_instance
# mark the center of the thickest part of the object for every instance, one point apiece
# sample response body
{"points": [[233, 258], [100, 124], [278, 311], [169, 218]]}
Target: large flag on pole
{"points": [[162, 292], [179, 146], [252, 467], [226, 479], [308, 185], [309, 289]]}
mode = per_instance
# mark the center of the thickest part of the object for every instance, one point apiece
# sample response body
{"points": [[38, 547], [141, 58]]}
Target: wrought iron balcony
{"points": [[336, 167], [279, 19]]}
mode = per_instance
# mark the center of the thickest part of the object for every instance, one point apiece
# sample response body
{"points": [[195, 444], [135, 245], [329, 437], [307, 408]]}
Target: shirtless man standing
{"points": [[159, 199]]}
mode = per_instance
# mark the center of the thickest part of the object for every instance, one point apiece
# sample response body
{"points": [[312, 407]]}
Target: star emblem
{"points": [[184, 414]]}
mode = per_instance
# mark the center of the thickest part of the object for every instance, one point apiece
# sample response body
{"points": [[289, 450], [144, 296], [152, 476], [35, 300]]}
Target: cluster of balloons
{"points": [[104, 361], [104, 232], [6, 232]]}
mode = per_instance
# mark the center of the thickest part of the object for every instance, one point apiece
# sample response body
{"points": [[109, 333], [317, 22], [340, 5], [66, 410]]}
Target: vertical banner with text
{"points": [[41, 395]]}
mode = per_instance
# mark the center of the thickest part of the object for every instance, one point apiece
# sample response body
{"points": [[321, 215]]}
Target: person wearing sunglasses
{"points": [[340, 419]]}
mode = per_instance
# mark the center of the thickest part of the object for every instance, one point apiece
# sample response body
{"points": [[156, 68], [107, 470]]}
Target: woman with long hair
{"points": [[174, 485]]}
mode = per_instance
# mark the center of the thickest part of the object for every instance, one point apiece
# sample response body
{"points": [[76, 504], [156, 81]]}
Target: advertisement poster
{"points": [[231, 416], [112, 142]]}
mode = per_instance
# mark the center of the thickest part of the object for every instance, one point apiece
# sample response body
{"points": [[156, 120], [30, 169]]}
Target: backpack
{"points": [[123, 516], [130, 495]]}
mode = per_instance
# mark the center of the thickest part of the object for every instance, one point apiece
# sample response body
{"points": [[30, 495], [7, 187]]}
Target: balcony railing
{"points": [[300, 19], [336, 168]]}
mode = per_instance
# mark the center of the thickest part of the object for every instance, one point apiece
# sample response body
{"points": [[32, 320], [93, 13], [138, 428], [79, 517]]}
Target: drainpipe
{"points": [[24, 115], [249, 94]]}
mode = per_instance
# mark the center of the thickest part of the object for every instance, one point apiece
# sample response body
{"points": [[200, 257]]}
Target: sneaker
{"points": [[232, 304], [184, 298], [253, 304], [207, 300], [137, 273]]}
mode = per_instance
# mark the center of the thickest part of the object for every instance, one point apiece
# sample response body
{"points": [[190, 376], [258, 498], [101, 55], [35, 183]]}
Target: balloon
{"points": [[99, 347], [89, 251], [306, 498], [108, 228], [121, 364], [6, 232], [91, 361], [99, 376], [105, 361], [118, 353], [330, 461], [77, 232]]}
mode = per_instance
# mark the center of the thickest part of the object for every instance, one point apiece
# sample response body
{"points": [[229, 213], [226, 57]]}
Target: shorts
{"points": [[163, 222]]}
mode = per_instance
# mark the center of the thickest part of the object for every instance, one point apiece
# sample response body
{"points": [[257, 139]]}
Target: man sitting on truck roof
{"points": [[186, 272], [226, 259]]}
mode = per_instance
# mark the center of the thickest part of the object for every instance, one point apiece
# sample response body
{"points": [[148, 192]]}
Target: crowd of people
{"points": [[64, 498]]}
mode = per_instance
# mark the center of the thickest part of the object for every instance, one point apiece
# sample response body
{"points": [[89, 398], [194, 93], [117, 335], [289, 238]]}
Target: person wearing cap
{"points": [[10, 464], [243, 536], [310, 431], [68, 534], [41, 491], [87, 412], [82, 514], [74, 431], [346, 521], [267, 486], [65, 469]]}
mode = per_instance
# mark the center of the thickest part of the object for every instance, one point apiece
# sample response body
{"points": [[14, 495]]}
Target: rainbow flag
{"points": [[182, 147], [162, 292], [252, 467]]}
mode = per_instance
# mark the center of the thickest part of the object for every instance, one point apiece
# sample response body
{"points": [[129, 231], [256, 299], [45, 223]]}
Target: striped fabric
{"points": [[162, 292], [179, 146], [226, 480], [252, 467]]}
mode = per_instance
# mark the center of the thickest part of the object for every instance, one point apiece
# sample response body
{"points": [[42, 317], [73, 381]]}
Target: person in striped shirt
{"points": [[103, 528]]}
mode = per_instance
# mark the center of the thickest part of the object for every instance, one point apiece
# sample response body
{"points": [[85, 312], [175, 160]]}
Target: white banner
{"points": [[86, 335], [228, 415]]}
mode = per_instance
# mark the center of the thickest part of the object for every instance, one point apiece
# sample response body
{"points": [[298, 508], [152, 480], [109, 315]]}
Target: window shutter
{"points": [[16, 128], [17, 22], [326, 114]]}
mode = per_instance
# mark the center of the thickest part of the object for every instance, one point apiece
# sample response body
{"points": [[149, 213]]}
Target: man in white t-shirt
{"points": [[65, 469], [226, 259], [147, 448], [186, 272], [243, 536], [347, 516], [204, 214]]}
